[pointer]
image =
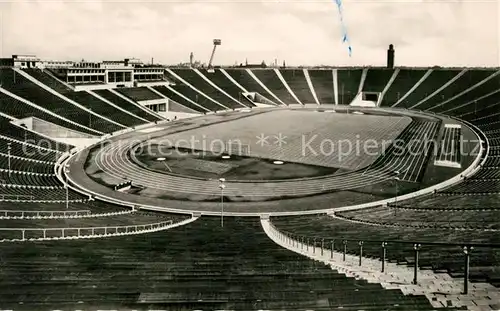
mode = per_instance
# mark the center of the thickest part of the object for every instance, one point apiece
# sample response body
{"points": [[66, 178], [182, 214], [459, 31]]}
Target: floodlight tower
{"points": [[216, 43]]}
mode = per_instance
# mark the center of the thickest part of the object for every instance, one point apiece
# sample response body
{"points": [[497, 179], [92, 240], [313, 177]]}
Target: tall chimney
{"points": [[390, 57]]}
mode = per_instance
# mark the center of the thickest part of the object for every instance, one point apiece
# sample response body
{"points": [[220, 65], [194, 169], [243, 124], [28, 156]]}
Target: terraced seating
{"points": [[493, 161], [102, 108], [492, 132], [45, 207], [38, 194], [494, 140], [27, 178], [137, 218], [348, 83], [94, 207], [195, 97], [122, 103], [23, 165], [437, 257], [179, 99], [243, 78], [203, 86], [26, 151], [138, 93], [296, 80], [464, 103], [488, 173], [219, 79], [444, 201], [404, 82], [170, 270], [433, 82], [22, 134], [85, 99], [48, 80], [377, 79], [274, 84], [480, 113], [83, 225], [421, 218], [490, 126], [26, 89], [20, 110], [488, 119], [481, 105], [477, 186], [322, 81], [494, 151], [468, 79]]}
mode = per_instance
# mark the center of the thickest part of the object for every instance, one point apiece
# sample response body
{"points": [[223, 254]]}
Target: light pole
{"points": [[396, 181], [222, 186], [66, 172], [8, 155]]}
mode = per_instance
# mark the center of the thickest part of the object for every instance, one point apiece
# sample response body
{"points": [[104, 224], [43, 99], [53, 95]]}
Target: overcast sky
{"points": [[307, 32]]}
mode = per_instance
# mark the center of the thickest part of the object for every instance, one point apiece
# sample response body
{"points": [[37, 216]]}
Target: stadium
{"points": [[139, 186]]}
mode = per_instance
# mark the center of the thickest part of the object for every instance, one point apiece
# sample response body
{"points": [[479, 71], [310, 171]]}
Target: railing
{"points": [[13, 214], [326, 245], [82, 232], [16, 197]]}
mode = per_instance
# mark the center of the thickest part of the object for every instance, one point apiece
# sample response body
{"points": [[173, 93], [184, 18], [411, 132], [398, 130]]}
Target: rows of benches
{"points": [[21, 86], [171, 270]]}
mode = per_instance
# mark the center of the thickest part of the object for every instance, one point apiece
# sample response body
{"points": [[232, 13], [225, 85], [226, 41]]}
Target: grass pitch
{"points": [[207, 165]]}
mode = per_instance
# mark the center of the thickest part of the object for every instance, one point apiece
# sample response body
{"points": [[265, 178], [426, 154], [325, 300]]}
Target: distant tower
{"points": [[191, 58], [284, 64], [390, 57]]}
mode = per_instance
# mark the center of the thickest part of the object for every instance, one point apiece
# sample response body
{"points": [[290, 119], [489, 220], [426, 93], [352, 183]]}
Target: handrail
{"points": [[29, 211], [58, 214], [17, 196], [93, 232], [342, 239], [162, 223], [320, 252], [441, 209]]}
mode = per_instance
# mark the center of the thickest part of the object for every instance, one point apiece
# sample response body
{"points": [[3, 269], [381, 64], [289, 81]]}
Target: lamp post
{"points": [[8, 154], [467, 250], [66, 172], [396, 183], [222, 186]]}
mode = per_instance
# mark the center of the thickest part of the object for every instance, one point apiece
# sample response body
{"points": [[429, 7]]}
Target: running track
{"points": [[114, 161]]}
